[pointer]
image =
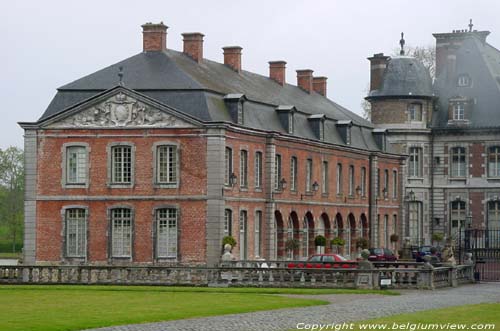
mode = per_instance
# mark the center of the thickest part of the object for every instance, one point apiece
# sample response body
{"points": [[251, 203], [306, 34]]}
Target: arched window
{"points": [[228, 222], [351, 180], [229, 166], [243, 168], [339, 178]]}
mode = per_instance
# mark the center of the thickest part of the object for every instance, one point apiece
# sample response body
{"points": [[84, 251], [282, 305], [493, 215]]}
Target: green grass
{"points": [[47, 308], [10, 255], [469, 314]]}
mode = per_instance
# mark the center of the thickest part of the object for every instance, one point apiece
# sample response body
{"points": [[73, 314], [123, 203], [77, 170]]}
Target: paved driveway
{"points": [[343, 308]]}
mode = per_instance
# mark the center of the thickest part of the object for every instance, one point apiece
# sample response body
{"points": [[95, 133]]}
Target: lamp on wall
{"points": [[384, 192], [282, 183], [233, 179], [358, 190], [410, 196], [315, 186]]}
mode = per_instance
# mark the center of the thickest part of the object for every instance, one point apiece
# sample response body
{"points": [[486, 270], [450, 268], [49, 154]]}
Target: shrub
{"points": [[338, 241], [228, 240], [320, 240], [394, 238], [291, 244], [362, 243], [437, 237]]}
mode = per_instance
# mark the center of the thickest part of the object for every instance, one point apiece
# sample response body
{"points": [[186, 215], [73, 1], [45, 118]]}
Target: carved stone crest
{"points": [[121, 111]]}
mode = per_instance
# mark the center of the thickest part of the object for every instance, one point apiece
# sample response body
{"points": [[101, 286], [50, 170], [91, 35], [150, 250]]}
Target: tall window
{"points": [[463, 80], [76, 165], [458, 111], [351, 180], [379, 184], [166, 164], [121, 164], [277, 172], [293, 173], [494, 215], [243, 168], [324, 177], [394, 184], [228, 222], [415, 112], [258, 169], [386, 231], [457, 216], [229, 166], [308, 175], [415, 162], [243, 235], [257, 226], [339, 178], [395, 224], [363, 181], [386, 183], [414, 222], [76, 233], [166, 221], [290, 123], [494, 161], [121, 232], [458, 162]]}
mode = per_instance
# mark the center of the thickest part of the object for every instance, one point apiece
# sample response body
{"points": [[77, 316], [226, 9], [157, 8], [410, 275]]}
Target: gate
{"points": [[484, 244]]}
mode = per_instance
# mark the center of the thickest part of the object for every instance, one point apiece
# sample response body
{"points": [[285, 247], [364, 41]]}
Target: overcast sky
{"points": [[46, 44]]}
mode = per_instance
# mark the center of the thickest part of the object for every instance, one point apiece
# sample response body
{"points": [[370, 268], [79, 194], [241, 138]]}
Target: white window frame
{"points": [[112, 182], [228, 162], [464, 80], [66, 183], [339, 178], [167, 227], [228, 222], [258, 170], [293, 173], [243, 242], [324, 178], [277, 172], [363, 181], [173, 164], [459, 111], [81, 231], [458, 162], [257, 233], [493, 167], [351, 180], [243, 168], [394, 184], [125, 246], [415, 112], [309, 169], [415, 162]]}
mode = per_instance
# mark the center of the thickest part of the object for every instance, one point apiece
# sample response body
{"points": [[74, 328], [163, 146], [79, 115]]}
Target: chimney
{"points": [[277, 71], [232, 57], [154, 37], [304, 79], [193, 45], [319, 85], [378, 63]]}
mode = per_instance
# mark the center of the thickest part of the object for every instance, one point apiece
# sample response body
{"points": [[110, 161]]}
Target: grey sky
{"points": [[46, 44]]}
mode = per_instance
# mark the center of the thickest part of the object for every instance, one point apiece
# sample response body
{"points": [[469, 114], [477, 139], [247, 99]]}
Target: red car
{"points": [[381, 254], [324, 261]]}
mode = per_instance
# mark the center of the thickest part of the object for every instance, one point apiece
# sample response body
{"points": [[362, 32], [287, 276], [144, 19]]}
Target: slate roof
{"points": [[198, 89], [481, 62], [404, 76]]}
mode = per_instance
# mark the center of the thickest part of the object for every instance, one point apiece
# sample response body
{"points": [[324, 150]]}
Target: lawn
{"points": [[465, 315], [47, 308]]}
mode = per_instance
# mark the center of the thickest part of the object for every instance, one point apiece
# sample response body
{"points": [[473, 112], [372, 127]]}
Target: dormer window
{"points": [[286, 114], [344, 129], [464, 81], [234, 103], [458, 111], [415, 112]]}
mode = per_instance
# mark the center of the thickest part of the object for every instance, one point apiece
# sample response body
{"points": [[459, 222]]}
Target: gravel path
{"points": [[343, 308]]}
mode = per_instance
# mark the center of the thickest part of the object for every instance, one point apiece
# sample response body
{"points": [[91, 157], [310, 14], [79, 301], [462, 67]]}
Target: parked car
{"points": [[324, 261], [420, 252], [381, 254]]}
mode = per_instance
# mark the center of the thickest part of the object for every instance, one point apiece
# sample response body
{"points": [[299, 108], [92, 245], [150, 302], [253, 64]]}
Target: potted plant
{"points": [[320, 242], [437, 237], [394, 238], [362, 243], [337, 242], [291, 245]]}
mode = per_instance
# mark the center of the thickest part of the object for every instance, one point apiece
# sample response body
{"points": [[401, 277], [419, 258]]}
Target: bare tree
{"points": [[12, 192], [365, 105]]}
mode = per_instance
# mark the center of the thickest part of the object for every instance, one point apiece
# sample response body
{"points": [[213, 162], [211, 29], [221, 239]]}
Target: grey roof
{"points": [[481, 62], [198, 89], [404, 76]]}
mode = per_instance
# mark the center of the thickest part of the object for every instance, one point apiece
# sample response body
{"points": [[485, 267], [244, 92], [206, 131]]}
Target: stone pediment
{"points": [[120, 110]]}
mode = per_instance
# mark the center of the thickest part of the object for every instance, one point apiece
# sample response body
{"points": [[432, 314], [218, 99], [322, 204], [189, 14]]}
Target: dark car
{"points": [[324, 261], [381, 254], [420, 252]]}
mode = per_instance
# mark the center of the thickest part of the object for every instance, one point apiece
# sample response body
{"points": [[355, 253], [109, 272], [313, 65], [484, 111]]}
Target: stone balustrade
{"points": [[244, 273]]}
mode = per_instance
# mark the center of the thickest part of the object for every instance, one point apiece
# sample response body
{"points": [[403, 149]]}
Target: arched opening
{"points": [[325, 220], [351, 235], [364, 230], [338, 231], [308, 246], [279, 241], [293, 232]]}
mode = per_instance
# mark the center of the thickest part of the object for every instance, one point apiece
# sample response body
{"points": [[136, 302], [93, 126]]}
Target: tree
{"points": [[12, 192], [425, 54]]}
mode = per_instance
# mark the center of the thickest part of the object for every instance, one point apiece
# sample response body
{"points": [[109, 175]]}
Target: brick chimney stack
{"points": [[154, 37], [378, 63], [277, 70], [305, 79], [232, 57], [193, 45], [319, 85]]}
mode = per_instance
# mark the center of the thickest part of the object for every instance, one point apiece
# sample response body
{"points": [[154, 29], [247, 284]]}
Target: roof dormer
{"points": [[286, 114], [234, 103], [380, 137], [317, 122], [344, 129]]}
